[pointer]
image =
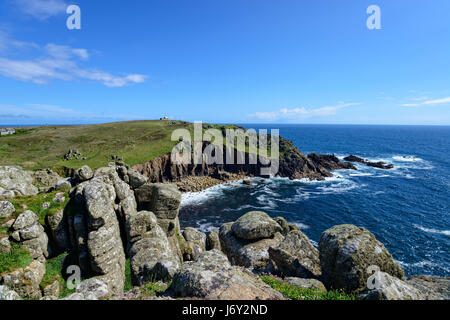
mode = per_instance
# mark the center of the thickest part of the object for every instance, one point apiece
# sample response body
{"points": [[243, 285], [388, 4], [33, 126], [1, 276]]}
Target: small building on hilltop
{"points": [[6, 131], [164, 118]]}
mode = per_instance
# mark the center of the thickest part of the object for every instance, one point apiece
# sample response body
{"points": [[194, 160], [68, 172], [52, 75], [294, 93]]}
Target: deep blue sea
{"points": [[407, 208]]}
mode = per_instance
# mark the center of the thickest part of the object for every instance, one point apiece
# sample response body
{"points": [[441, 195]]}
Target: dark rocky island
{"points": [[379, 164]]}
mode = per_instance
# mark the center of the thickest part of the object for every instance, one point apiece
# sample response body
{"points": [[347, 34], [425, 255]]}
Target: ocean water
{"points": [[407, 208]]}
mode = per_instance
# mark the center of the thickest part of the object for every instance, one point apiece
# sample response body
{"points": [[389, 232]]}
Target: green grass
{"points": [[54, 271], [34, 203], [295, 293], [128, 284], [17, 258], [153, 288]]}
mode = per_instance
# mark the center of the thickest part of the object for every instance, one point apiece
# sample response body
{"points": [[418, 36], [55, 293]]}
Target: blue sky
{"points": [[253, 61]]}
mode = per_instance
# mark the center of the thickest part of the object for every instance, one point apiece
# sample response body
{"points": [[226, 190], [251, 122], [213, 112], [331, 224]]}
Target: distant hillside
{"points": [[135, 141]]}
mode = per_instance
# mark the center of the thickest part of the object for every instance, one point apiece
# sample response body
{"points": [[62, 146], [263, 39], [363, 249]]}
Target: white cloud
{"points": [[41, 9], [427, 102], [301, 113], [56, 62]]}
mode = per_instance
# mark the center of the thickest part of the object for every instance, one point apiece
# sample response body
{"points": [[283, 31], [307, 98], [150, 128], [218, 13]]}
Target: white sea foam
{"points": [[429, 230], [407, 158], [301, 226]]}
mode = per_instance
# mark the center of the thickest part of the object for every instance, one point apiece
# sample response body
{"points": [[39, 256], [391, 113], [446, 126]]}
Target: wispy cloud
{"points": [[427, 102], [55, 62], [301, 113], [41, 9]]}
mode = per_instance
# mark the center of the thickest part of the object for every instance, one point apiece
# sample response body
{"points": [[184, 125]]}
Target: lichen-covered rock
{"points": [[212, 277], [14, 179], [83, 174], [135, 179], [255, 225], [8, 294], [63, 185], [57, 224], [52, 290], [302, 283], [59, 197], [347, 251], [213, 241], [195, 242], [24, 220], [246, 253], [296, 256], [90, 289], [5, 246], [6, 209], [104, 244], [25, 281], [46, 177], [387, 287], [161, 199], [434, 288], [139, 224]]}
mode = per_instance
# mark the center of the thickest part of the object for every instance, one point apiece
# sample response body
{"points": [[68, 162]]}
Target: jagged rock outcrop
{"points": [[346, 252], [6, 209], [295, 256], [195, 243], [433, 288], [83, 174], [329, 162], [90, 289], [285, 226], [31, 234], [247, 253], [58, 226], [14, 180], [46, 178], [212, 277], [25, 281], [104, 244], [379, 164], [213, 240], [388, 287]]}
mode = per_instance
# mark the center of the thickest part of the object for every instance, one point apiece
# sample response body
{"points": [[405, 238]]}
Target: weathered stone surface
{"points": [[135, 179], [140, 224], [31, 232], [83, 174], [52, 290], [161, 199], [346, 252], [45, 177], [59, 197], [5, 246], [25, 219], [388, 287], [213, 241], [57, 224], [296, 256], [302, 283], [246, 253], [255, 225], [6, 209], [63, 185], [212, 277], [38, 247], [152, 257], [14, 179], [25, 281], [8, 294], [195, 242], [104, 244], [90, 289], [433, 288]]}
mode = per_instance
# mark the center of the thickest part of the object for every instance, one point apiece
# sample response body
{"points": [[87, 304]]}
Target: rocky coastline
{"points": [[113, 219]]}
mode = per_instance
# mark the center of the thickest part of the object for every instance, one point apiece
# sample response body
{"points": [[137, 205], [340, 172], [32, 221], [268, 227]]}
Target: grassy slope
{"points": [[135, 141]]}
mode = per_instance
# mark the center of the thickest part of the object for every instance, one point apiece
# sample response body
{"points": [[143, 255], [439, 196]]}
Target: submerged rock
{"points": [[379, 164], [346, 253]]}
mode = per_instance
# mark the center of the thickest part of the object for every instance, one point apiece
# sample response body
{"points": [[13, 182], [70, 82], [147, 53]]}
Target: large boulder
{"points": [[152, 257], [386, 287], [6, 209], [247, 253], [14, 179], [295, 256], [434, 288], [135, 179], [347, 252], [195, 243], [161, 199], [302, 283], [25, 281], [46, 178], [8, 294], [255, 225], [213, 241], [31, 234], [83, 174], [57, 224], [212, 277]]}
